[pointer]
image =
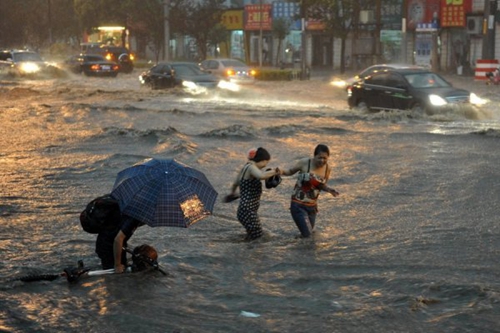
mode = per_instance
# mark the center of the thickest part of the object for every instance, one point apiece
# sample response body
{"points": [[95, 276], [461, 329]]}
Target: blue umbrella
{"points": [[164, 192]]}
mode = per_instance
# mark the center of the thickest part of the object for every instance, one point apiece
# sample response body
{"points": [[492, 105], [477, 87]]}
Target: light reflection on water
{"points": [[412, 238]]}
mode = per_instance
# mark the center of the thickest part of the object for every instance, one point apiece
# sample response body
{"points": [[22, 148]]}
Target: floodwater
{"points": [[412, 244]]}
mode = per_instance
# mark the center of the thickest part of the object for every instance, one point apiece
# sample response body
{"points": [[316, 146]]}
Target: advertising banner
{"points": [[289, 11], [232, 19], [453, 12], [258, 17]]}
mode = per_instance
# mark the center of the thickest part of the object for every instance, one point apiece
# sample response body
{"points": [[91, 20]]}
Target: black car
{"points": [[171, 74], [92, 65], [408, 89], [118, 54]]}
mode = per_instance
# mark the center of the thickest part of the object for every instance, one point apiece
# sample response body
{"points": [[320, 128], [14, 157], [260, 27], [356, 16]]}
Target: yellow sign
{"points": [[232, 19]]}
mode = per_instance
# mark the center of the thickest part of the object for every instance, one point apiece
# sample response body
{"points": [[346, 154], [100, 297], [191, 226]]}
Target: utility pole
{"points": [[490, 9], [260, 33], [303, 39], [166, 29]]}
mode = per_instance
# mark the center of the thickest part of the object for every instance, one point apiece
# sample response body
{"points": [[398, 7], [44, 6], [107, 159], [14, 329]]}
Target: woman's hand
{"points": [[333, 192]]}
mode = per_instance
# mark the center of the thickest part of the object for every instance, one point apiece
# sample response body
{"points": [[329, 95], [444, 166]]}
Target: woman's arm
{"points": [[325, 187], [293, 170], [117, 251], [259, 174]]}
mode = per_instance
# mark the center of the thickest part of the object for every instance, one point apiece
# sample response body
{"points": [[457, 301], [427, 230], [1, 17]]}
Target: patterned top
{"points": [[307, 187], [250, 192]]}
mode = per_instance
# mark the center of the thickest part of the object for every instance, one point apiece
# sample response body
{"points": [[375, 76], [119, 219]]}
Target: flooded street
{"points": [[411, 244]]}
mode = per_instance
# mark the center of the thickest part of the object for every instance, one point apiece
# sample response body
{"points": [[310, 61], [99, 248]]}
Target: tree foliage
{"points": [[198, 19], [35, 23], [280, 29], [338, 16]]}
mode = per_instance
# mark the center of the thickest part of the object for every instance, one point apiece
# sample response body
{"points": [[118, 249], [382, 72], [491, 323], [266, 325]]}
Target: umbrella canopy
{"points": [[164, 192]]}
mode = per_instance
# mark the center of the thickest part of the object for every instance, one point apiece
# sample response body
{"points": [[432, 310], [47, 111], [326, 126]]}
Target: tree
{"points": [[147, 23], [280, 29], [36, 23], [198, 20], [218, 35], [338, 18]]}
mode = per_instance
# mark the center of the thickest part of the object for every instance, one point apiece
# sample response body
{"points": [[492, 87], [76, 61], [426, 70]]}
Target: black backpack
{"points": [[101, 214]]}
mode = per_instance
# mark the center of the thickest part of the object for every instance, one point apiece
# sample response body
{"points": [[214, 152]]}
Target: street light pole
{"points": [[166, 29], [260, 34]]}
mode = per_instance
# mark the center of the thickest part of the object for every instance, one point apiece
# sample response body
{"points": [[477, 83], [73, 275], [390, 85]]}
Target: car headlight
{"points": [[29, 67], [476, 100], [437, 100]]}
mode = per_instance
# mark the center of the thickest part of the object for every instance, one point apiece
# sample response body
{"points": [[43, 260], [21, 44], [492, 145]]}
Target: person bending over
{"points": [[110, 244]]}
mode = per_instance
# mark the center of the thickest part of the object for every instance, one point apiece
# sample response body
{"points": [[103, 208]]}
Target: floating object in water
{"points": [[249, 314]]}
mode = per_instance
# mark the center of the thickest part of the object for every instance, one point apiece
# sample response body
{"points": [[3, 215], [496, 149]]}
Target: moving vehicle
{"points": [[369, 71], [118, 54], [22, 62], [232, 70], [171, 74], [419, 90], [92, 65]]}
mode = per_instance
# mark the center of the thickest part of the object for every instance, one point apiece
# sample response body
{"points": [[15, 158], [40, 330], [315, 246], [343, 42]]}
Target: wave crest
{"points": [[233, 131]]}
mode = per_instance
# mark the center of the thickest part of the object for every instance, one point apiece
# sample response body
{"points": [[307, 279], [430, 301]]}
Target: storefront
{"points": [[258, 26], [235, 48]]}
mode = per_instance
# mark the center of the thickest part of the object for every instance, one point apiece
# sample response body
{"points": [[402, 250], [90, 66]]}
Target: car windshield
{"points": [[426, 80], [187, 70], [27, 56], [233, 63]]}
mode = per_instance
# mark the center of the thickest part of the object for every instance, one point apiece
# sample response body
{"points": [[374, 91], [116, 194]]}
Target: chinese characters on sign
{"points": [[257, 17], [287, 10], [453, 12], [232, 19]]}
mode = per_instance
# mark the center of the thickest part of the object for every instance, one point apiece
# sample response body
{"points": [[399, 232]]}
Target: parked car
{"points": [[402, 89], [22, 62], [171, 74], [118, 54], [369, 71], [232, 70], [92, 65]]}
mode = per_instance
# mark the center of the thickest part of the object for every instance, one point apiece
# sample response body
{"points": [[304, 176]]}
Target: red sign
{"points": [[258, 17], [313, 24], [453, 12]]}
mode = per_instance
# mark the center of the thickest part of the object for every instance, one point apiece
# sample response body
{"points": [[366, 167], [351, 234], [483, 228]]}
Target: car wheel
{"points": [[361, 106], [418, 108]]}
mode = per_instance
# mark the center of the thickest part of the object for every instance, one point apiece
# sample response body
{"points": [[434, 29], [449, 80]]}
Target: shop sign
{"points": [[232, 19], [453, 12], [391, 12], [423, 11], [287, 10], [390, 36], [258, 17], [313, 24]]}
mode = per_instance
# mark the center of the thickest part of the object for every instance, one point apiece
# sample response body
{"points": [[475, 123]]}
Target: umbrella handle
{"points": [[150, 262]]}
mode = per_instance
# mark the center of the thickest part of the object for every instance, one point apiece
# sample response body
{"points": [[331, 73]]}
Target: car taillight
{"points": [[116, 67], [95, 67]]}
